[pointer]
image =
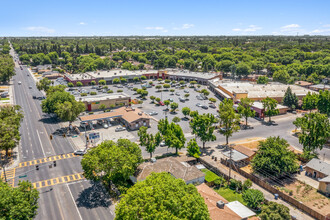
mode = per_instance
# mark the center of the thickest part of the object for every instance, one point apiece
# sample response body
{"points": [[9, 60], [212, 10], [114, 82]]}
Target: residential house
{"points": [[321, 171], [219, 208]]}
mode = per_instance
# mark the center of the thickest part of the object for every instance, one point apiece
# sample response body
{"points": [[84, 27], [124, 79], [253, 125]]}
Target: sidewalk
{"points": [[269, 196]]}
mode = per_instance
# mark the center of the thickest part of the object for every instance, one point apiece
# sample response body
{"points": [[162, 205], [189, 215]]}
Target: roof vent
{"points": [[220, 204]]}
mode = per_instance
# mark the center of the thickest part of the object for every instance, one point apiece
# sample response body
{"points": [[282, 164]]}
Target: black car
{"points": [[34, 97], [205, 107]]}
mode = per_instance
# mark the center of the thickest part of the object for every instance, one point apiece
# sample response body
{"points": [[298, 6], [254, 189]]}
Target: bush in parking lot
{"points": [[83, 94], [167, 81], [109, 91], [176, 119], [105, 87], [186, 95], [143, 78], [70, 84], [159, 79], [166, 86], [79, 84], [102, 106], [119, 90], [174, 106], [115, 81], [92, 93], [212, 100], [182, 82], [152, 98], [150, 82], [93, 83]]}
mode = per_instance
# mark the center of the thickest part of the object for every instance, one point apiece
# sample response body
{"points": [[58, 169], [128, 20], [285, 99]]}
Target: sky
{"points": [[166, 18]]}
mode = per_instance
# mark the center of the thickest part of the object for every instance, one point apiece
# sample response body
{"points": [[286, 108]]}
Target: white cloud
{"points": [[184, 26], [40, 29], [250, 28], [320, 31], [156, 28], [291, 26], [326, 25], [82, 23]]}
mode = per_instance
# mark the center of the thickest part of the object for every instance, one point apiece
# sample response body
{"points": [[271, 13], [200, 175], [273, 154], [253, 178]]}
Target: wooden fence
{"points": [[269, 188]]}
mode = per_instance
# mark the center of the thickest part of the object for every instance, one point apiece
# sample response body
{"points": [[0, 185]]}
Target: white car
{"points": [[153, 113], [105, 125], [120, 129], [19, 82], [162, 144], [79, 152], [199, 105]]}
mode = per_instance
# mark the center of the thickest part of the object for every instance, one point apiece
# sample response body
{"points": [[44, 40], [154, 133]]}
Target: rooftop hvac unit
{"points": [[220, 204]]}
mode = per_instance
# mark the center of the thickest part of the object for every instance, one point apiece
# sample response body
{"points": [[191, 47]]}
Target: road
{"points": [[58, 200]]}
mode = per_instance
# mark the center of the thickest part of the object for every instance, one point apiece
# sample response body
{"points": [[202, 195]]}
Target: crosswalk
{"points": [[46, 159], [10, 174], [58, 180]]}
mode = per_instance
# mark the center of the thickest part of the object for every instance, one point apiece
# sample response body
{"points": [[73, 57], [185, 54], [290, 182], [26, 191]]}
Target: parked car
{"points": [[205, 107], [153, 113], [105, 125], [199, 105], [182, 99], [161, 103], [212, 105], [186, 91], [83, 124], [120, 129], [199, 97], [30, 87], [79, 152], [178, 94], [162, 144], [170, 99]]}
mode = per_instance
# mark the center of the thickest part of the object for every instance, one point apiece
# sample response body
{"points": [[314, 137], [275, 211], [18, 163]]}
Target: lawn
{"points": [[4, 98], [209, 175], [230, 195]]}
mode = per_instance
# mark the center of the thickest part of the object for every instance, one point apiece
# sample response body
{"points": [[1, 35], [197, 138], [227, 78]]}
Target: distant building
{"points": [[180, 170], [260, 111], [220, 209], [303, 84], [319, 87], [257, 92], [93, 102]]}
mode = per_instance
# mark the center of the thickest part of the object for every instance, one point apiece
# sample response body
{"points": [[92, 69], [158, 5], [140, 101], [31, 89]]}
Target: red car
{"points": [[161, 103]]}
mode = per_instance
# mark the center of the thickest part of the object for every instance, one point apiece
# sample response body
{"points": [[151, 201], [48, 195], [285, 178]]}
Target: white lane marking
{"points": [[74, 202], [41, 144]]}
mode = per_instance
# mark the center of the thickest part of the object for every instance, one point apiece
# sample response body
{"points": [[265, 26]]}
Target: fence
{"points": [[269, 188]]}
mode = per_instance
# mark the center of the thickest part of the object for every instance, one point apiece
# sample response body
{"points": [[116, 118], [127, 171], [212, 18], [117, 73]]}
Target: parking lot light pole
{"points": [[86, 137]]}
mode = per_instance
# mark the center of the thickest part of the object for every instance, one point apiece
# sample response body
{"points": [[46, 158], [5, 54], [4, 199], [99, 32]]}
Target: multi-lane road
{"points": [[64, 193]]}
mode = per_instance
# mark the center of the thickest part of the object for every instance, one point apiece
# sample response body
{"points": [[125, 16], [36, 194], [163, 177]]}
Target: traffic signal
{"points": [[54, 163], [37, 167], [51, 137]]}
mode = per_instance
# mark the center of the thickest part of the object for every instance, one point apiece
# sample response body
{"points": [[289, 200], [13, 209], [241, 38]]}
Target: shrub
{"points": [[83, 94], [90, 113], [176, 119], [235, 184], [102, 82], [247, 184], [109, 91], [93, 83], [70, 84], [119, 90], [112, 106], [253, 198], [93, 93], [102, 106], [212, 100], [79, 84], [105, 87]]}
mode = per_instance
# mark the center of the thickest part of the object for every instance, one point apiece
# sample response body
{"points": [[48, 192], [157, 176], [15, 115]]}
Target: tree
{"points": [[172, 134], [274, 158], [193, 148], [247, 184], [102, 106], [275, 211], [58, 88], [185, 111], [157, 99], [20, 202], [205, 92], [69, 111], [212, 100], [161, 196], [244, 109], [243, 69], [149, 140], [123, 80], [174, 106], [228, 119], [270, 109], [176, 119], [290, 99], [115, 81], [49, 105], [172, 91], [166, 86], [203, 127], [323, 103], [315, 130], [152, 98], [262, 80], [102, 82], [93, 82], [158, 87], [167, 103], [44, 84], [309, 102], [10, 120], [281, 76], [186, 95], [112, 162], [136, 79], [79, 84], [6, 68], [70, 84], [253, 198]]}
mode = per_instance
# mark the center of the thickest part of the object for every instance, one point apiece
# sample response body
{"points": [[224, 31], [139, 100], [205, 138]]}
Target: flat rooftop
{"points": [[119, 73], [262, 91], [101, 97], [187, 73], [79, 76]]}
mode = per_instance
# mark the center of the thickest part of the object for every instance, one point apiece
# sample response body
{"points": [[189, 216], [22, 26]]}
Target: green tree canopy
{"points": [[18, 203], [270, 107], [185, 111], [229, 119], [244, 109], [262, 80], [6, 68], [193, 148], [161, 196], [253, 198], [275, 211], [69, 111], [290, 99], [150, 141], [315, 130], [203, 127], [112, 162], [274, 157], [323, 103], [310, 101], [44, 84]]}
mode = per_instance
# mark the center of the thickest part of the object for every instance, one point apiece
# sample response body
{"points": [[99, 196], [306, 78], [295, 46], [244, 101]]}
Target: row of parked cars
{"points": [[105, 123]]}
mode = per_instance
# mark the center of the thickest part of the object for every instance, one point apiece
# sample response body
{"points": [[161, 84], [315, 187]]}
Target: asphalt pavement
{"points": [[58, 201]]}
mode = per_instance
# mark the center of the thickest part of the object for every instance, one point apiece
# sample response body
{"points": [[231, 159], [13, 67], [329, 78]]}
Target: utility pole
{"points": [[230, 161]]}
